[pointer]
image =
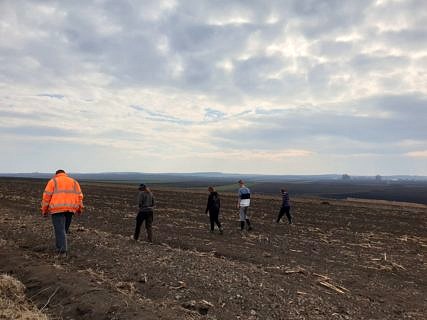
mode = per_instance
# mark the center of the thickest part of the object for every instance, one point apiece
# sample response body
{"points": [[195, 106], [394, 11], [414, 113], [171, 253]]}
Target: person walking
{"points": [[212, 209], [243, 202], [286, 207], [62, 198], [145, 213]]}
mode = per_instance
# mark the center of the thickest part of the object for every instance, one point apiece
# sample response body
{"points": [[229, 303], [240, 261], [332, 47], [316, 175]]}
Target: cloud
{"points": [[364, 63], [319, 18], [212, 114], [158, 116], [256, 155], [51, 95], [417, 154], [192, 79], [368, 125], [38, 131]]}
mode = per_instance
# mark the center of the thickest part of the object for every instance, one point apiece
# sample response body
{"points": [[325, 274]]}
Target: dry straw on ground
{"points": [[13, 302]]}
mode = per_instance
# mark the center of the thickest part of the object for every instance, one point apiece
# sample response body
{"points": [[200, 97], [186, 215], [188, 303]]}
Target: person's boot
{"points": [[149, 235], [242, 225], [61, 254], [249, 224]]}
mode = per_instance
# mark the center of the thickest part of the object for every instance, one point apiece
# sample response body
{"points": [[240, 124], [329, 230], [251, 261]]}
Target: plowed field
{"points": [[340, 260]]}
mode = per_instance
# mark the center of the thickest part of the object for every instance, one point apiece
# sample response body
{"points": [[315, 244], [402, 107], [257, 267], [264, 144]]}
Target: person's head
{"points": [[211, 189], [241, 182], [144, 188], [284, 189], [59, 171]]}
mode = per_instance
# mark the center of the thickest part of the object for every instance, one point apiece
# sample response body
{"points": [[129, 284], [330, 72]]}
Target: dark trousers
{"points": [[214, 218], [148, 218], [283, 211], [61, 224], [242, 225]]}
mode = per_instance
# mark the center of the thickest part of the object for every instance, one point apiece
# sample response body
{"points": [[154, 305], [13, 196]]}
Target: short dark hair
{"points": [[59, 171], [142, 186]]}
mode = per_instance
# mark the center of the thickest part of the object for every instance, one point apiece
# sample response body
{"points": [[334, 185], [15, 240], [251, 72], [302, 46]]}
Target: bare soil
{"points": [[340, 260]]}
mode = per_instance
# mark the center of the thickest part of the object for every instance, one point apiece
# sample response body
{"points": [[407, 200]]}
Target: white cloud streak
{"points": [[417, 154]]}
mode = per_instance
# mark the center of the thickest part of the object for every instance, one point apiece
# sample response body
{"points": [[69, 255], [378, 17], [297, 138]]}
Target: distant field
{"points": [[401, 192], [415, 192]]}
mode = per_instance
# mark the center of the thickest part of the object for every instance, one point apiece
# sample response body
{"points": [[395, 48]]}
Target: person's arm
{"points": [[140, 200], [80, 198], [47, 196], [209, 203]]}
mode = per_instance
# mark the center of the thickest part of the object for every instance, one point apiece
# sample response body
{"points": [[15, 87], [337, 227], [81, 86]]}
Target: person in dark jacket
{"points": [[213, 206], [286, 207], [145, 213]]}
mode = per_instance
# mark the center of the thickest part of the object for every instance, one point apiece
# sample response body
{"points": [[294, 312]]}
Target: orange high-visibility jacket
{"points": [[62, 194]]}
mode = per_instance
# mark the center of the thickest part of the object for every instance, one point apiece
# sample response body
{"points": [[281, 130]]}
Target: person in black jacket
{"points": [[286, 206], [145, 213], [213, 206]]}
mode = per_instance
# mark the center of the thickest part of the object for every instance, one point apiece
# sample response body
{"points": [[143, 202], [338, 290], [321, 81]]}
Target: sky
{"points": [[274, 87]]}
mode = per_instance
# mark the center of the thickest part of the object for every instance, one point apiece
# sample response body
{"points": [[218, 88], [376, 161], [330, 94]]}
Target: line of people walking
{"points": [[63, 198]]}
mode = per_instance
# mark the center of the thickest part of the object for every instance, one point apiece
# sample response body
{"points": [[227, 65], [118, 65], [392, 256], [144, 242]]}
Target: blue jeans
{"points": [[244, 214], [61, 223]]}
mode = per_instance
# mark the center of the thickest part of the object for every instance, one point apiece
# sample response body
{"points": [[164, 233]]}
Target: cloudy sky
{"points": [[286, 87]]}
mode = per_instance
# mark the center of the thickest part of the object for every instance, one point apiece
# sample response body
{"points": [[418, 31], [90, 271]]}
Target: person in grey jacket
{"points": [[145, 213]]}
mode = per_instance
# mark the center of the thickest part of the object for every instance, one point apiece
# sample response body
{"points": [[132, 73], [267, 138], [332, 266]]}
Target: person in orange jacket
{"points": [[62, 198]]}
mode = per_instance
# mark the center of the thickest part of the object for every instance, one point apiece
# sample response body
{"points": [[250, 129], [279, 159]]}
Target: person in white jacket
{"points": [[243, 203]]}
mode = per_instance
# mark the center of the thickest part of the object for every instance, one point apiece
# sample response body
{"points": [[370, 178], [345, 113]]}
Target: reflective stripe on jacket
{"points": [[62, 194]]}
